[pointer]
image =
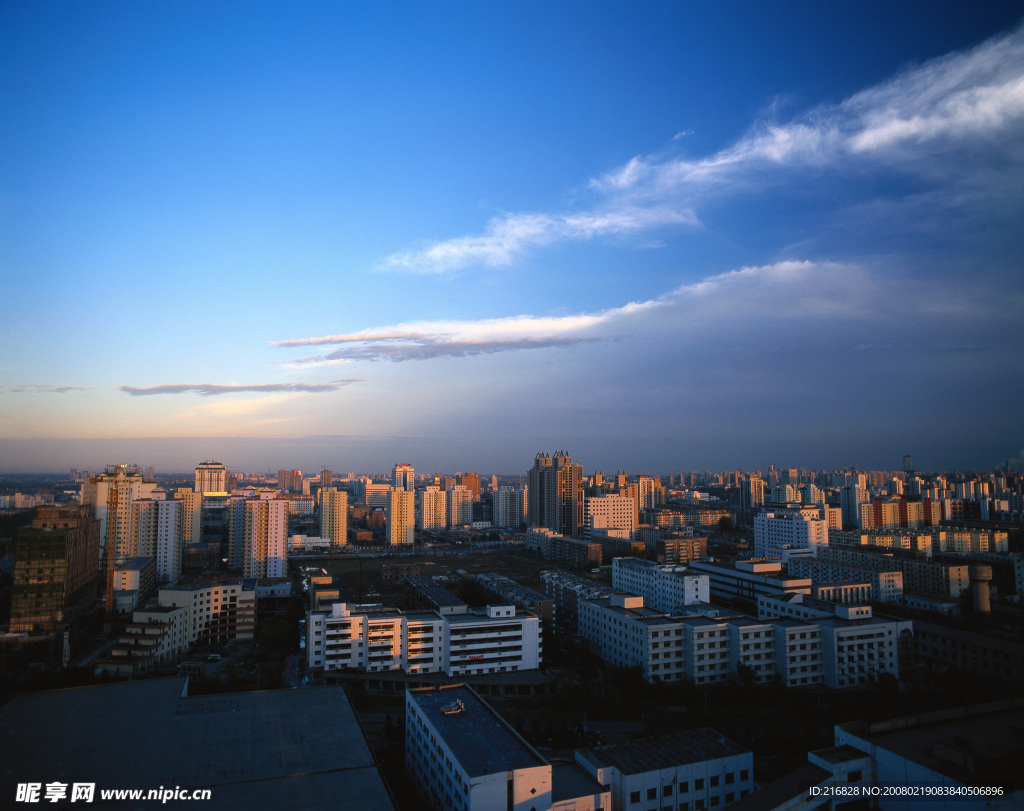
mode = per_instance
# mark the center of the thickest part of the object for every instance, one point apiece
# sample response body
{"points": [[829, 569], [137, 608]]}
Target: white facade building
{"points": [[696, 769], [491, 640], [611, 515], [664, 587], [465, 757], [432, 510], [789, 533], [509, 506]]}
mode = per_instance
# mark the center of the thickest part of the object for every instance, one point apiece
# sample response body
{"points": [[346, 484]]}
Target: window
{"points": [[666, 791], [634, 797], [652, 793], [698, 784], [730, 778], [714, 780]]}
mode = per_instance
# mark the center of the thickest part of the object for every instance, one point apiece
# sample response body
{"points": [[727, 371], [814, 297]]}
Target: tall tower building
{"points": [[169, 520], [460, 506], [400, 516], [752, 494], [289, 481], [433, 508], [265, 538], [556, 494], [334, 515], [403, 476]]}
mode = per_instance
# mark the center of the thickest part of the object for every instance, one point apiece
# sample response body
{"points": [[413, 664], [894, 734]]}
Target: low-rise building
{"points": [[463, 755], [216, 612], [696, 769]]}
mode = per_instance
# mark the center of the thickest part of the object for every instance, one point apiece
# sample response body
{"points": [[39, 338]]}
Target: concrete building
{"points": [[334, 516], [664, 587], [432, 510], [567, 590], [463, 756], [460, 506], [612, 515], [743, 581], [696, 769], [403, 476], [496, 639], [134, 582], [211, 477], [886, 586], [568, 551], [216, 612], [786, 533], [400, 516], [509, 506], [265, 538], [149, 734], [169, 539], [556, 494], [154, 636], [55, 574]]}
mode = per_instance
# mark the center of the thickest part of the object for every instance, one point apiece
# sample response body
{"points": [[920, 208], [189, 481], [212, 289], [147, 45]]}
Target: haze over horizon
{"points": [[661, 238]]}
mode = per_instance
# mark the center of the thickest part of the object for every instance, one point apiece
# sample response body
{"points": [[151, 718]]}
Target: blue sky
{"points": [[663, 236]]}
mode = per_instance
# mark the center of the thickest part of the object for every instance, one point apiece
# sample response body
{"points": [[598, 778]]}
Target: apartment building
{"points": [[885, 586], [491, 640], [216, 612]]}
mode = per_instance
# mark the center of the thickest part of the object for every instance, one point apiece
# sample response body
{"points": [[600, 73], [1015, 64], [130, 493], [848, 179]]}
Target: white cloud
{"points": [[946, 103]]}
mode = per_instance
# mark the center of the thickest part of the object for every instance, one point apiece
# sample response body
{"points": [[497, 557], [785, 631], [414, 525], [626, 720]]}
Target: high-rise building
{"points": [[613, 516], [110, 496], [751, 494], [56, 568], [403, 476], [265, 538], [460, 506], [471, 481], [334, 515], [211, 477], [432, 513], [509, 506], [400, 516], [289, 481], [169, 521], [556, 494]]}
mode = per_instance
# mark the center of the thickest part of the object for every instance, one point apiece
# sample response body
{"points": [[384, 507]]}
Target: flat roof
{"points": [[666, 751], [478, 737], [569, 780], [248, 748]]}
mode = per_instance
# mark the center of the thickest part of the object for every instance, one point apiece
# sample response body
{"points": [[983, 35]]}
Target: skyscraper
{"points": [[403, 476], [555, 486], [509, 506], [400, 516], [334, 515]]}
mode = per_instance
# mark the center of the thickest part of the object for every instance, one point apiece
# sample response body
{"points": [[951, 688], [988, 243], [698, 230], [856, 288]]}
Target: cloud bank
{"points": [[212, 389]]}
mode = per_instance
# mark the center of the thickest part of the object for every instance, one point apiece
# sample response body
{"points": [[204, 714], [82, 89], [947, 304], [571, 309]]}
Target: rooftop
{"points": [[161, 738], [478, 737], [665, 752]]}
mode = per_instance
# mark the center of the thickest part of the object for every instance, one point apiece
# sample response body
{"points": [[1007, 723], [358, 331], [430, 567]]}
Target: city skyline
{"points": [[658, 238]]}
